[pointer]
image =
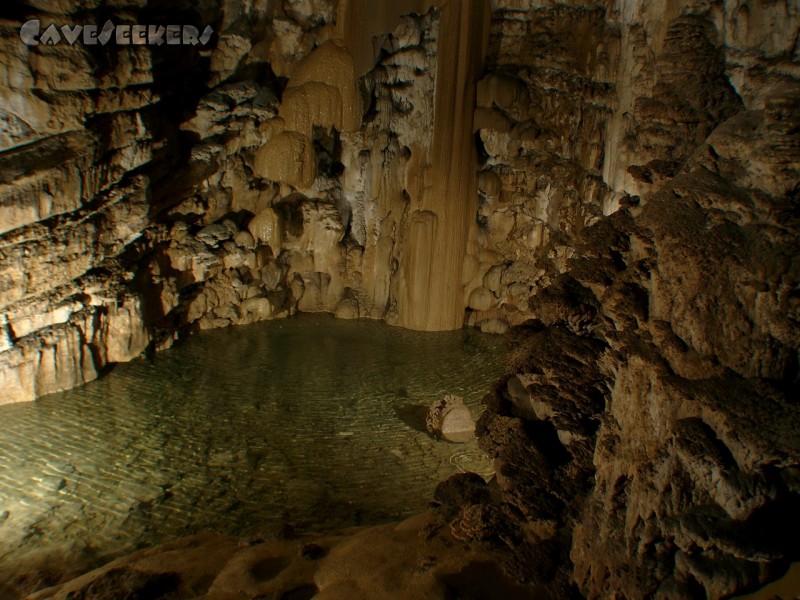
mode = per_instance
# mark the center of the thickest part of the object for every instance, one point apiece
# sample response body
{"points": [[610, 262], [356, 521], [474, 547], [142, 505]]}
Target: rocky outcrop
{"points": [[333, 167], [648, 403], [623, 200], [84, 144], [420, 554], [229, 195]]}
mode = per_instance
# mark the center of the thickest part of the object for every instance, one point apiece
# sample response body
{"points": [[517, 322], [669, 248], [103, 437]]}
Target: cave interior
{"points": [[609, 190]]}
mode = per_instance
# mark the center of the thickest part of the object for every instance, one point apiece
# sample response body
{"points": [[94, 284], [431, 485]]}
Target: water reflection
{"points": [[314, 421]]}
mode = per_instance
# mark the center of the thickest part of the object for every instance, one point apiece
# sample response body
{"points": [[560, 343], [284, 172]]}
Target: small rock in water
{"points": [[450, 419]]}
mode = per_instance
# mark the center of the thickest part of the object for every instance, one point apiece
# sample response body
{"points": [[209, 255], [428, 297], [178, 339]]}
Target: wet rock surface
{"points": [[419, 554], [450, 419]]}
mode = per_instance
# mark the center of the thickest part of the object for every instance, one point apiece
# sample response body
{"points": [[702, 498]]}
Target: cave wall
{"points": [[75, 135], [626, 190], [96, 150], [651, 407], [297, 163]]}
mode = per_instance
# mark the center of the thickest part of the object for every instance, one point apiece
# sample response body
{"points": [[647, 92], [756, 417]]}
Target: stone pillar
{"points": [[430, 294]]}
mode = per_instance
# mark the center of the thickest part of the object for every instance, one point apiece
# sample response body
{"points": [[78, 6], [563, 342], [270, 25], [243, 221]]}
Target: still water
{"points": [[313, 421]]}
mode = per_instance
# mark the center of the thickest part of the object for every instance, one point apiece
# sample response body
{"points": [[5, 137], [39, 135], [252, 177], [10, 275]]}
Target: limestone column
{"points": [[430, 291]]}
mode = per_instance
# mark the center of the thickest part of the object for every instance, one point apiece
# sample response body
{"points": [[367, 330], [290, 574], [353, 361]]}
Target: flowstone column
{"points": [[430, 293]]}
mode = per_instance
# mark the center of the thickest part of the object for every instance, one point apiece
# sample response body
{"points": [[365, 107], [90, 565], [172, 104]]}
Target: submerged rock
{"points": [[450, 419]]}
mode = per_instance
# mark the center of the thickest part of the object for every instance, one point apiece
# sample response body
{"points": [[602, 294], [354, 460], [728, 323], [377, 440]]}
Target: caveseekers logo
{"points": [[31, 34]]}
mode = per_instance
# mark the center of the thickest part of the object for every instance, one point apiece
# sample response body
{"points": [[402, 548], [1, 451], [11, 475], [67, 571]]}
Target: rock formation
{"points": [[450, 419], [353, 172], [617, 183], [645, 398], [416, 554]]}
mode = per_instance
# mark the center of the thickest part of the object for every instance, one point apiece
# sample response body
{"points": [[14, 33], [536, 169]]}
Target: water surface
{"points": [[313, 421]]}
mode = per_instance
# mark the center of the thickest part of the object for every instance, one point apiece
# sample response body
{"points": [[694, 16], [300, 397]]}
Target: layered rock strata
{"points": [[84, 148], [303, 162], [636, 186]]}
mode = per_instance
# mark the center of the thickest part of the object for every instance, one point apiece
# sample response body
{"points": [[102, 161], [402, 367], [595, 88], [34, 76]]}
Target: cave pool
{"points": [[311, 421]]}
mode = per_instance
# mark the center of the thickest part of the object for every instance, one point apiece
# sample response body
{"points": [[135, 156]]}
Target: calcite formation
{"points": [[323, 91], [671, 324], [431, 288], [450, 419], [616, 182], [370, 563]]}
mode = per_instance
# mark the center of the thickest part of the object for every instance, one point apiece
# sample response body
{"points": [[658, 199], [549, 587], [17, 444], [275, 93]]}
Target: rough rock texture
{"points": [[631, 211], [132, 176], [351, 171], [83, 149], [651, 407], [450, 419], [418, 558]]}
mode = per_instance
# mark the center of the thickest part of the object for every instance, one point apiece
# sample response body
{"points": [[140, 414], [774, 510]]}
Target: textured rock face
{"points": [[649, 403], [419, 556], [626, 186], [450, 419], [353, 176], [78, 139]]}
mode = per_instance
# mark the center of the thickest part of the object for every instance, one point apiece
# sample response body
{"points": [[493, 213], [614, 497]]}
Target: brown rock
{"points": [[450, 419]]}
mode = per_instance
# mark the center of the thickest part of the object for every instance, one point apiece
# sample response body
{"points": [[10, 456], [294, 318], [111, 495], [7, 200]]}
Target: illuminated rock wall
{"points": [[431, 295], [620, 177]]}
